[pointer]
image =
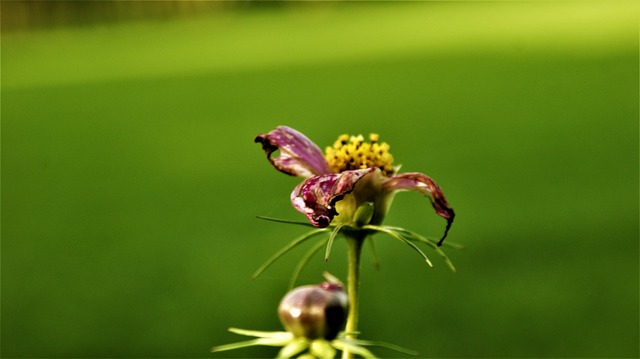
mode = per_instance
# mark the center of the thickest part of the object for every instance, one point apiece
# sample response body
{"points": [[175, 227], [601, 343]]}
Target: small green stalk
{"points": [[354, 242]]}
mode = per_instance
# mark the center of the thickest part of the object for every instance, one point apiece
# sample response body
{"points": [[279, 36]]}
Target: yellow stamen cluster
{"points": [[352, 153]]}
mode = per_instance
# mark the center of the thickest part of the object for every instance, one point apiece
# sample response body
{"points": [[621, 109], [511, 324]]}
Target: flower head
{"points": [[349, 174], [353, 153]]}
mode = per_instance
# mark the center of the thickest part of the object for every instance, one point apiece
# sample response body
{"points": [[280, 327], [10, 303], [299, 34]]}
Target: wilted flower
{"points": [[349, 189], [350, 174]]}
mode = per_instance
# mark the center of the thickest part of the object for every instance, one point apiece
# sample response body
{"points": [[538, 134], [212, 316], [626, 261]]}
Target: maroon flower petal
{"points": [[316, 196], [424, 184], [299, 156]]}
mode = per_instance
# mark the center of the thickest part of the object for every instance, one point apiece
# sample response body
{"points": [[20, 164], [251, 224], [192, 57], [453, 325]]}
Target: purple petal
{"points": [[299, 156], [424, 184], [316, 196]]}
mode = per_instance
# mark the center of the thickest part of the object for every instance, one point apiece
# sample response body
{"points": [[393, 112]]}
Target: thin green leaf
{"points": [[344, 345], [288, 221], [264, 338], [401, 238], [303, 262], [238, 345], [374, 254], [433, 245], [448, 243], [259, 333], [330, 242], [411, 235], [383, 345], [285, 249]]}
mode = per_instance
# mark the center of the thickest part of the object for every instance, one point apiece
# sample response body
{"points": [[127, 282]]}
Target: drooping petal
{"points": [[299, 156], [424, 184], [316, 196]]}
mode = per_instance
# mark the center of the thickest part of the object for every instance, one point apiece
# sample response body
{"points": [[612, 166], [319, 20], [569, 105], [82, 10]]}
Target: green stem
{"points": [[354, 242]]}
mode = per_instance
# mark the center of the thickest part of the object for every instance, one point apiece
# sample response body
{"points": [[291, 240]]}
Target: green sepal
{"points": [[232, 346], [332, 237], [264, 338], [343, 345], [401, 238], [386, 345], [411, 235], [285, 249], [303, 262], [374, 254], [287, 221], [293, 348], [424, 239], [259, 333], [321, 348]]}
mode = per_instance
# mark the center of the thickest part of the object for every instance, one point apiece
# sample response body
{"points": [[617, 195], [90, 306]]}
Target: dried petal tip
{"points": [[450, 217], [422, 183]]}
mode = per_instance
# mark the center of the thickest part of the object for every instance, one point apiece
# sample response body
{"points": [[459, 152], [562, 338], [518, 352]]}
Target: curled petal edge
{"points": [[316, 196], [422, 183], [299, 156]]}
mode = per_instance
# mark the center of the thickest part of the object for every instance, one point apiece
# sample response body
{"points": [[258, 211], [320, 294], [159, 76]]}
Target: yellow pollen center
{"points": [[352, 153]]}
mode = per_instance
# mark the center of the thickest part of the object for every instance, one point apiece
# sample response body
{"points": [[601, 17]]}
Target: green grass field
{"points": [[130, 180]]}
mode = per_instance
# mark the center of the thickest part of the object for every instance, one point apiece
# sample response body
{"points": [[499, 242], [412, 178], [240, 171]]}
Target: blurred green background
{"points": [[130, 180]]}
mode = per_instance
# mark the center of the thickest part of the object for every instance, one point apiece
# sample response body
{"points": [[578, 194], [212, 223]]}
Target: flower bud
{"points": [[314, 311]]}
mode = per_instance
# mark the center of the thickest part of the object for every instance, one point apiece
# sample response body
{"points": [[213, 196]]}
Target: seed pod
{"points": [[314, 311]]}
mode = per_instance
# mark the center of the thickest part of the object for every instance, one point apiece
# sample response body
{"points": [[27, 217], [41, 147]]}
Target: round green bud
{"points": [[314, 311]]}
